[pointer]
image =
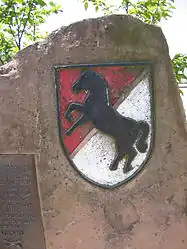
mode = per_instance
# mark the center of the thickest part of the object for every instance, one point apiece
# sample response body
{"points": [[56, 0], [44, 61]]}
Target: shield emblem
{"points": [[106, 121]]}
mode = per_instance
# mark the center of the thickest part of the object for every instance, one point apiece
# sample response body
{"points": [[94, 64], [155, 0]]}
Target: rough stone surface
{"points": [[148, 213]]}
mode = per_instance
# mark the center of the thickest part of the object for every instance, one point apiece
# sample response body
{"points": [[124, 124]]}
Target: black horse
{"points": [[125, 131]]}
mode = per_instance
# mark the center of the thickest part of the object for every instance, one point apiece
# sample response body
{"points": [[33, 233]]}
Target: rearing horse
{"points": [[125, 131]]}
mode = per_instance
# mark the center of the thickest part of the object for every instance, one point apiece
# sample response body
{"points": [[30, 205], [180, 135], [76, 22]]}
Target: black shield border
{"points": [[58, 67]]}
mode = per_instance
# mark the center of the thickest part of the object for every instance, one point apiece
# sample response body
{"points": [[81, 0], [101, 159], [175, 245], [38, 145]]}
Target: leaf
{"points": [[40, 2], [86, 5], [180, 67], [181, 92], [96, 8]]}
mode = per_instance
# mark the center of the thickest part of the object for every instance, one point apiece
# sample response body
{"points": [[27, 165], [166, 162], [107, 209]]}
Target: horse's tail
{"points": [[141, 144]]}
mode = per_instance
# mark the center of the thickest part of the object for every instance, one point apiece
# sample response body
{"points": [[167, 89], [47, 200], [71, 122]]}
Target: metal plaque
{"points": [[20, 217], [106, 121]]}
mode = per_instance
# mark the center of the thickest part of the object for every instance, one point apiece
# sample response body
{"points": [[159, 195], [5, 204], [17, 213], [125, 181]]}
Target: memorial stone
{"points": [[56, 201]]}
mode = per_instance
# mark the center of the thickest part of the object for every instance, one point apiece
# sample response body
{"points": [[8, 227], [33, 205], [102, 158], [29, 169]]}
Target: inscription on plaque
{"points": [[20, 217]]}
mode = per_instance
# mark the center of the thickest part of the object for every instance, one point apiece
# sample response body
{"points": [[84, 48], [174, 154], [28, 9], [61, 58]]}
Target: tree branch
{"points": [[24, 27], [127, 8], [34, 32], [1, 60], [18, 26], [12, 33]]}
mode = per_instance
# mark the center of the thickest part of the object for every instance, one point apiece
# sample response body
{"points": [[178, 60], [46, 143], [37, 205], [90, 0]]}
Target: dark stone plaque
{"points": [[20, 216]]}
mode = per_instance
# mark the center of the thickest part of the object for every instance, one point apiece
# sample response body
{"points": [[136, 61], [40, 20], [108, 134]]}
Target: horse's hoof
{"points": [[113, 167], [127, 169], [143, 148]]}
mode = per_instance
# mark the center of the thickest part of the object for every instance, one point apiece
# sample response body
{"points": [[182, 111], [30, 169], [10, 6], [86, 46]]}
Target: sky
{"points": [[174, 28]]}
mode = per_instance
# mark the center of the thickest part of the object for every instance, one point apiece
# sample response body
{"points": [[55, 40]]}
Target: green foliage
{"points": [[19, 22], [100, 5], [149, 11], [180, 67], [152, 11], [6, 49]]}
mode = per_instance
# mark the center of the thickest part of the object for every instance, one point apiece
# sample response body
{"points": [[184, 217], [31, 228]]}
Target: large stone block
{"points": [[148, 212]]}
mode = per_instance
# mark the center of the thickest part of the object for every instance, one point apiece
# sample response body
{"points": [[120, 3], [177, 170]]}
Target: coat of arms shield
{"points": [[106, 119]]}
